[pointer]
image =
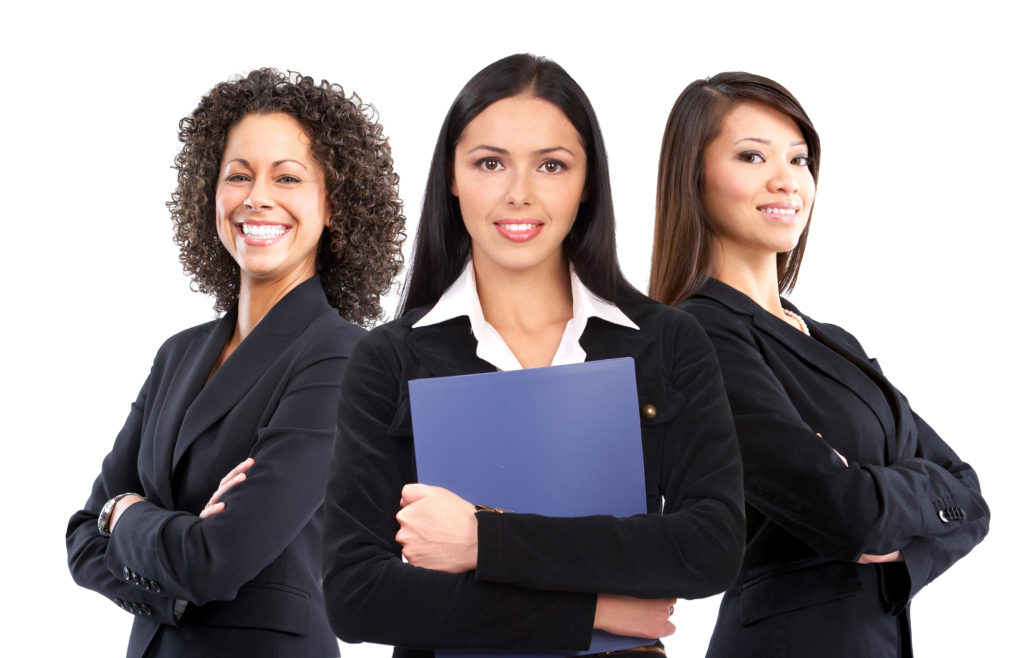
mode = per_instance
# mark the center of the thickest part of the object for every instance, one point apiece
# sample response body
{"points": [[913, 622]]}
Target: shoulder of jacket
{"points": [[710, 312], [184, 338]]}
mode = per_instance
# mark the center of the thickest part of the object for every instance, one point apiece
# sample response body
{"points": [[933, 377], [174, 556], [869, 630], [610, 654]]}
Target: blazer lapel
{"points": [[248, 362], [447, 347], [898, 418], [606, 340], [817, 351], [182, 388]]}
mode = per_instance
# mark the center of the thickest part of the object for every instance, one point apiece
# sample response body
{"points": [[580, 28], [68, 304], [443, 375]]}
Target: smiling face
{"points": [[757, 188], [519, 172], [271, 200]]}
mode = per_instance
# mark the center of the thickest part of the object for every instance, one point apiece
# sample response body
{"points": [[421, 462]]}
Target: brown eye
{"points": [[801, 161], [553, 166], [489, 164], [752, 157]]}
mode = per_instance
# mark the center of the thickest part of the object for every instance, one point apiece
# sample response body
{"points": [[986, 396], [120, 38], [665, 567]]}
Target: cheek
{"points": [[475, 198], [225, 202], [809, 189], [724, 194]]}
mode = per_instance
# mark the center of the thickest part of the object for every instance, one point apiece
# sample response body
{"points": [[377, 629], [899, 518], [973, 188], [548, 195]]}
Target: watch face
{"points": [[103, 520]]}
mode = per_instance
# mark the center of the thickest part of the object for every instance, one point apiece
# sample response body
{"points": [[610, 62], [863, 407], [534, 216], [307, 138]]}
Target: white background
{"points": [[915, 245]]}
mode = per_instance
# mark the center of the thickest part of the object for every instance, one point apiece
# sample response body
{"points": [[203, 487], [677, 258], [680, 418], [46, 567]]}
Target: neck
{"points": [[754, 274], [538, 297], [257, 297]]}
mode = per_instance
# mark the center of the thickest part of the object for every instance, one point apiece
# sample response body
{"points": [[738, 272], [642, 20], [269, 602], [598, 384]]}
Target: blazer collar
{"points": [[449, 347], [820, 350], [445, 348], [215, 398]]}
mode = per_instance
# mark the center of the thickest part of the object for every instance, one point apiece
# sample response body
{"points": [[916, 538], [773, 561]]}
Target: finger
{"points": [[211, 510], [241, 468], [224, 488], [413, 492]]}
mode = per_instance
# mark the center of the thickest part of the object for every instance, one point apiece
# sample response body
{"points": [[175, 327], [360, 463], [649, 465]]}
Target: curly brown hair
{"points": [[360, 253]]}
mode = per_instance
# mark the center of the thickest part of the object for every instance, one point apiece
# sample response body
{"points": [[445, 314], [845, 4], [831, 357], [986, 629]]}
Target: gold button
{"points": [[649, 411]]}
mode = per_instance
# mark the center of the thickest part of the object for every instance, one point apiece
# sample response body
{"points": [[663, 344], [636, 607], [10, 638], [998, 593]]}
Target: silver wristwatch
{"points": [[103, 520]]}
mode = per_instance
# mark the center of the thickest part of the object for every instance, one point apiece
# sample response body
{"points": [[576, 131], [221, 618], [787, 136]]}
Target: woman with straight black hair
{"points": [[515, 267], [853, 502]]}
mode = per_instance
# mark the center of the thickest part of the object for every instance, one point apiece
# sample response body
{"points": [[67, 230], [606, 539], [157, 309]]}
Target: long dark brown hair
{"points": [[682, 255], [442, 242]]}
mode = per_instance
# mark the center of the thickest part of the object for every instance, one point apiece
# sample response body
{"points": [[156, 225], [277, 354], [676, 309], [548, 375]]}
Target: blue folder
{"points": [[558, 441]]}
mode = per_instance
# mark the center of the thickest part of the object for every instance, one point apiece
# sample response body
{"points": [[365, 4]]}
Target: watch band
{"points": [[103, 520]]}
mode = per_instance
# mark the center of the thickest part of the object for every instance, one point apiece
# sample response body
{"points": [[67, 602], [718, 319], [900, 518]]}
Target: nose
{"points": [[259, 195], [783, 180], [518, 193]]}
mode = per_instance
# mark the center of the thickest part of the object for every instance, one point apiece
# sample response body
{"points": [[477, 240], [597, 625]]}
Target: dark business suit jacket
{"points": [[809, 516], [251, 574], [536, 577]]}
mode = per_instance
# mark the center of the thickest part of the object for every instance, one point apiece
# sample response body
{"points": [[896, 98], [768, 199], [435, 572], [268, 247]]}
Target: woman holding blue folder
{"points": [[515, 267]]}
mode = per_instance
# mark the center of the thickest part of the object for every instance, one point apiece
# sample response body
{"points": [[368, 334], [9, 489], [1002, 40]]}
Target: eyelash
{"points": [[752, 157], [242, 178], [483, 162]]}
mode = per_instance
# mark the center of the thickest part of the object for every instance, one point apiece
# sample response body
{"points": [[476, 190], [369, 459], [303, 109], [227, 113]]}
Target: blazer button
{"points": [[649, 412], [944, 516], [127, 573], [156, 586]]}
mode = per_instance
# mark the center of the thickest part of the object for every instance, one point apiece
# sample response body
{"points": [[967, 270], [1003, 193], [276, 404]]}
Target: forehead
{"points": [[275, 132], [760, 121], [521, 122]]}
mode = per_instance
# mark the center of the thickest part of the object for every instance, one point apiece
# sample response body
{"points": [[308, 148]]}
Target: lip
{"points": [[265, 239], [780, 211], [517, 230]]}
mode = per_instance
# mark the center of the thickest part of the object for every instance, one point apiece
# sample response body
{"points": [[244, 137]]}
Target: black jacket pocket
{"points": [[268, 606], [783, 592]]}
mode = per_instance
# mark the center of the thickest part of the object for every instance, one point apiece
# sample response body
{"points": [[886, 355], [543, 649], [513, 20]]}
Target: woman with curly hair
{"points": [[206, 519]]}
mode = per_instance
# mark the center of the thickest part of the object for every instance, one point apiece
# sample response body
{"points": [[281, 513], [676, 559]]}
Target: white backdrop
{"points": [[915, 245]]}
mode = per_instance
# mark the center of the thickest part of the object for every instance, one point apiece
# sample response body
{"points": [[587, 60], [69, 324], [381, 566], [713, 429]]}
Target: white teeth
{"points": [[264, 230], [518, 227], [779, 211]]}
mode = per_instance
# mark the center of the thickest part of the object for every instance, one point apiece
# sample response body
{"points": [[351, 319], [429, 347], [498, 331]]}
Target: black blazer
{"points": [[251, 574], [810, 517], [536, 577]]}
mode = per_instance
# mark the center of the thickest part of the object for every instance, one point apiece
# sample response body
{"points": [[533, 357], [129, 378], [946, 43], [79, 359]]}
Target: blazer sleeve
{"points": [[928, 557], [693, 549], [87, 547], [370, 593], [201, 560], [795, 479]]}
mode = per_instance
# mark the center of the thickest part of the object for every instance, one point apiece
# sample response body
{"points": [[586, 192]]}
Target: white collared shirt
{"points": [[461, 299]]}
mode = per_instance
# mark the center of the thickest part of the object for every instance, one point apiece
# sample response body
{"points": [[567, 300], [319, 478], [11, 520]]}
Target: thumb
{"points": [[413, 492]]}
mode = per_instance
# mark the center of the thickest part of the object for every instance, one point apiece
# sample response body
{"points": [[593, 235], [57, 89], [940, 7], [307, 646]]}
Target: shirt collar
{"points": [[461, 299]]}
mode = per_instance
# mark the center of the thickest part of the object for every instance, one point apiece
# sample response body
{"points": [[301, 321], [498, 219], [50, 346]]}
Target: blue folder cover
{"points": [[558, 441]]}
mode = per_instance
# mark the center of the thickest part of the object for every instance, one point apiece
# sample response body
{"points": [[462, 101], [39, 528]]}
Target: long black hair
{"points": [[442, 243]]}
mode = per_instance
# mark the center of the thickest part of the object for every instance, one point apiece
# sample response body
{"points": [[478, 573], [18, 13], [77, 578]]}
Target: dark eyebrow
{"points": [[486, 147], [555, 148], [496, 149], [245, 163], [761, 140]]}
